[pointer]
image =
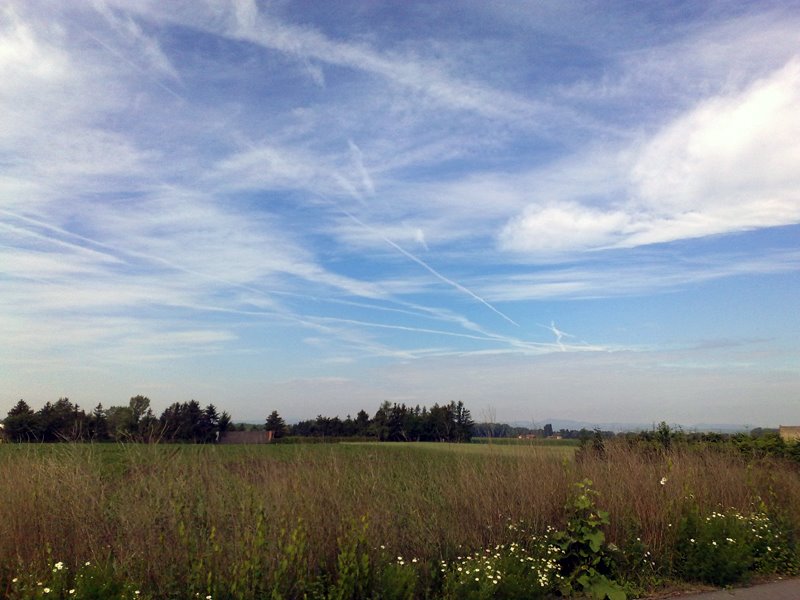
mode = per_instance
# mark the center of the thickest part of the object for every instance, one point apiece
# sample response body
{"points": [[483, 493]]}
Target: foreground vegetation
{"points": [[388, 520]]}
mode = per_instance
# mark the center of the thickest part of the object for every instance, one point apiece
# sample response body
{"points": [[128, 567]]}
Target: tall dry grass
{"points": [[166, 514], [631, 489]]}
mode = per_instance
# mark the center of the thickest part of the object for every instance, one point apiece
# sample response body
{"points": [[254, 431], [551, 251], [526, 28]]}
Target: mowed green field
{"points": [[122, 456], [511, 447]]}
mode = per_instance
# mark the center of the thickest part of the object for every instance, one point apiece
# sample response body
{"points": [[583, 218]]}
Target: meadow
{"points": [[370, 520]]}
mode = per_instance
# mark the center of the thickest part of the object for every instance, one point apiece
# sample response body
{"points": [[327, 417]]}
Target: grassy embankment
{"points": [[177, 521]]}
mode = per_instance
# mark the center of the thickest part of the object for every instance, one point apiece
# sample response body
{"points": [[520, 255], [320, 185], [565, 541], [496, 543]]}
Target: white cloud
{"points": [[242, 20], [566, 226], [730, 164]]}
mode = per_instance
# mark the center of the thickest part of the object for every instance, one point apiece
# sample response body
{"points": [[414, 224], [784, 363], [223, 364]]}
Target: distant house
{"points": [[790, 433], [246, 437]]}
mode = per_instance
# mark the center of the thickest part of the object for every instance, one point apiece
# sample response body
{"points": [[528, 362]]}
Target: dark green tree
{"points": [[209, 425], [276, 424], [121, 423], [362, 423], [21, 423], [98, 424], [380, 422], [224, 422], [463, 422]]}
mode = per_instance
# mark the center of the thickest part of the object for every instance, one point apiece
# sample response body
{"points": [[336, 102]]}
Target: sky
{"points": [[547, 210]]}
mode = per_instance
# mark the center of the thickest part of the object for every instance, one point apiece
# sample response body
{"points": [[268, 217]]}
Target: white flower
{"points": [[59, 565], [46, 590], [663, 480]]}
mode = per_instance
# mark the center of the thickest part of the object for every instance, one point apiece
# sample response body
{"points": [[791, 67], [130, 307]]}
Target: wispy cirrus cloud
{"points": [[277, 192]]}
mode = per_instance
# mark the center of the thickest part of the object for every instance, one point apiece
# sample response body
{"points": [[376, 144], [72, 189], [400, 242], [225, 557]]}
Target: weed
{"points": [[587, 564]]}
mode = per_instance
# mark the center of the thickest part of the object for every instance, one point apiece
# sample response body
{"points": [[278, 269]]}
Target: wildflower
{"points": [[663, 481], [58, 566], [71, 592], [46, 590], [15, 580]]}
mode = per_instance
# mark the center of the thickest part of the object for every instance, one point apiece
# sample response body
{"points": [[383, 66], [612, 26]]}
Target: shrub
{"points": [[724, 548], [507, 571]]}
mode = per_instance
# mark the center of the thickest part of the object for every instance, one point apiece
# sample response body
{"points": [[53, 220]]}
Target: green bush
{"points": [[508, 571], [88, 581], [724, 548]]}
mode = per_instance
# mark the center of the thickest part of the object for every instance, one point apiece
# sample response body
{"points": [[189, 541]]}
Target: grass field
{"points": [[173, 518]]}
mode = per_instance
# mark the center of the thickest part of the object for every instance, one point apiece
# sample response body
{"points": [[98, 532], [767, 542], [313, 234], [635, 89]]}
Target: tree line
{"points": [[65, 421], [450, 422]]}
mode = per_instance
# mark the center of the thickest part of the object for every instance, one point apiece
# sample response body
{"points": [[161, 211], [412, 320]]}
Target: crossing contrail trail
{"points": [[430, 269], [558, 333]]}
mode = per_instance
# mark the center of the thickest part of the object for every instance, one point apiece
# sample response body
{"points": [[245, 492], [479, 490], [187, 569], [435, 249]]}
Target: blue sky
{"points": [[545, 209]]}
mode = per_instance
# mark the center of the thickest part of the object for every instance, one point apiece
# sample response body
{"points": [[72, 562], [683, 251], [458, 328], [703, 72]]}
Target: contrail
{"points": [[558, 333], [405, 328], [358, 159], [141, 70], [430, 269], [128, 252]]}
